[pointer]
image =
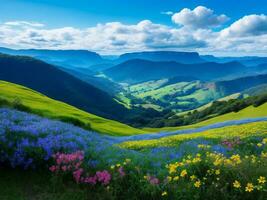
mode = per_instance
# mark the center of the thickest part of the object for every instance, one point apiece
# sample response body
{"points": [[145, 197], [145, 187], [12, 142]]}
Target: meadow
{"points": [[55, 160]]}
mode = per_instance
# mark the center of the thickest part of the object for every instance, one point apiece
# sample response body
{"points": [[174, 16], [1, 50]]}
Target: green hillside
{"points": [[177, 96], [48, 107], [249, 112]]}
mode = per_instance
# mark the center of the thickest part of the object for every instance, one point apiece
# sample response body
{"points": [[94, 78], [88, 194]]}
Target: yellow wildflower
{"points": [[197, 159], [261, 180], [249, 187], [236, 159], [193, 177], [217, 172], [172, 168], [259, 144], [176, 178], [112, 167], [197, 184], [169, 178], [164, 193], [218, 161], [263, 154], [236, 184], [253, 158], [183, 173]]}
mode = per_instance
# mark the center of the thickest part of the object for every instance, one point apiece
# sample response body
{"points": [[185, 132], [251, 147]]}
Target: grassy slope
{"points": [[55, 109], [248, 112], [232, 96], [242, 131]]}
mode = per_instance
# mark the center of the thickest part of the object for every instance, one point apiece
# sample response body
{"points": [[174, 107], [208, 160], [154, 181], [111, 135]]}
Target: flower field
{"points": [[223, 163]]}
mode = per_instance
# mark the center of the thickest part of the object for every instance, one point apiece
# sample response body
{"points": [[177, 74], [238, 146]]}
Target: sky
{"points": [[218, 27]]}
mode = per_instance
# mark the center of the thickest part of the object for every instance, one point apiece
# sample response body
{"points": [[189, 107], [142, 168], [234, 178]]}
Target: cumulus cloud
{"points": [[247, 26], [200, 17], [109, 37], [248, 34]]}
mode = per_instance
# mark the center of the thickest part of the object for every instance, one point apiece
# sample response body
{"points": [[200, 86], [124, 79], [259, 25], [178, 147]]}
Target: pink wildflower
{"points": [[103, 177], [77, 175], [53, 168]]}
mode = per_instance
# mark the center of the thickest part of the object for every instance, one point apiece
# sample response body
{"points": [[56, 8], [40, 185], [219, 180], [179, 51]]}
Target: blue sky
{"points": [[82, 13], [63, 25]]}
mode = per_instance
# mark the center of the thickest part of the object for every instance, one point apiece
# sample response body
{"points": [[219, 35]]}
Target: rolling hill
{"points": [[137, 70], [47, 107], [59, 85], [240, 84]]}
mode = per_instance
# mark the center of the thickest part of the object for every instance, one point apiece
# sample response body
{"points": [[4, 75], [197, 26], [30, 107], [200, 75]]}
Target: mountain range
{"points": [[180, 57], [65, 58], [137, 70]]}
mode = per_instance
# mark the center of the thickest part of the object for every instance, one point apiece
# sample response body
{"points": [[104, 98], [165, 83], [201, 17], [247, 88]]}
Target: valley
{"points": [[142, 122]]}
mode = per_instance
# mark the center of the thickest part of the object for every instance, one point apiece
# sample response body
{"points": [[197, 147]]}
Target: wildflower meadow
{"points": [[221, 163]]}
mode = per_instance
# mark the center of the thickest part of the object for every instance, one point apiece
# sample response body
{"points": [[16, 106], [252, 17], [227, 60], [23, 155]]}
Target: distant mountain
{"points": [[134, 71], [180, 57], [246, 60], [59, 85], [65, 58], [240, 84]]}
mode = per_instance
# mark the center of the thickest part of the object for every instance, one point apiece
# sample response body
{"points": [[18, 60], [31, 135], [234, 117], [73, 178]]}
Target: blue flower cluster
{"points": [[26, 139]]}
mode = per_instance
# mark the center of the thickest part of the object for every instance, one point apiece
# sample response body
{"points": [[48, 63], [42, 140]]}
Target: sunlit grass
{"points": [[249, 112], [48, 107]]}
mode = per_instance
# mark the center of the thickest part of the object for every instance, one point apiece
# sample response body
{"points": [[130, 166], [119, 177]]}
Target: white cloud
{"points": [[23, 23], [246, 35], [200, 17], [247, 26], [109, 37]]}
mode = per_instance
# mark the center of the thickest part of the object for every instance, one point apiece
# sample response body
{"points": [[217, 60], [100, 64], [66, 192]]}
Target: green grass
{"points": [[201, 108], [122, 99], [178, 96], [17, 184], [47, 107], [167, 90], [249, 112], [147, 86]]}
